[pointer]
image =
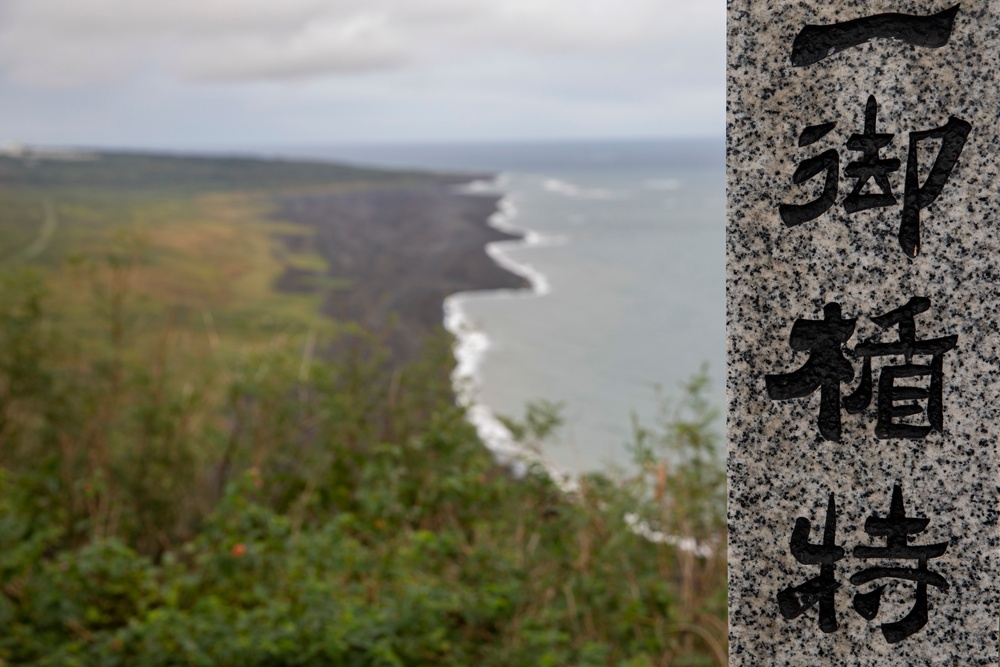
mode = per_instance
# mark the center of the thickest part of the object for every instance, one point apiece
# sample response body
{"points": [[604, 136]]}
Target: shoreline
{"points": [[408, 257], [393, 254], [472, 344]]}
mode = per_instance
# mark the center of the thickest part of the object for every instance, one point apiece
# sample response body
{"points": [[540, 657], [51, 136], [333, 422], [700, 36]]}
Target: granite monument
{"points": [[863, 255]]}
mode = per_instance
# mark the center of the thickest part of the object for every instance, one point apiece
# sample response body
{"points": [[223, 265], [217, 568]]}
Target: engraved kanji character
{"points": [[891, 396], [870, 165], [897, 529], [796, 600], [828, 161], [825, 369], [918, 197]]}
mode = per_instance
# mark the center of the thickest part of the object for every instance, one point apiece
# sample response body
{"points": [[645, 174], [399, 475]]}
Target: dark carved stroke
{"points": [[814, 133], [953, 136], [815, 42]]}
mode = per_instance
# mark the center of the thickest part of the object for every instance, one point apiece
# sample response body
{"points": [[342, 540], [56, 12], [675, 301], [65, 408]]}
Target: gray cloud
{"points": [[67, 42], [359, 44]]}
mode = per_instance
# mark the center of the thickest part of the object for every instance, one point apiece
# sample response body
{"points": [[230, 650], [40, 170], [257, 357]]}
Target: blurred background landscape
{"points": [[307, 307]]}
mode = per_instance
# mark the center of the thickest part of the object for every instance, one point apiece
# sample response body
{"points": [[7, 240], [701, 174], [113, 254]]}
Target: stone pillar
{"points": [[863, 271]]}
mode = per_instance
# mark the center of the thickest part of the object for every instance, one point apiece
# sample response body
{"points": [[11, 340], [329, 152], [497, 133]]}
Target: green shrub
{"points": [[257, 509]]}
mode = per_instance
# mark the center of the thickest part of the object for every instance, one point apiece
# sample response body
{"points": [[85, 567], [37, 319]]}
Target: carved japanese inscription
{"points": [[863, 258], [897, 529]]}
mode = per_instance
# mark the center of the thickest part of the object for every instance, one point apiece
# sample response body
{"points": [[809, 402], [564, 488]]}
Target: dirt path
{"points": [[45, 234]]}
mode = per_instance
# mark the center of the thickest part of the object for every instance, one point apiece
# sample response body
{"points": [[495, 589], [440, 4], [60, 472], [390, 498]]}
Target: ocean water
{"points": [[625, 249]]}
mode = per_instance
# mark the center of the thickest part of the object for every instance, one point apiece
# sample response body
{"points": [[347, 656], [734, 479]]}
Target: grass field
{"points": [[190, 242]]}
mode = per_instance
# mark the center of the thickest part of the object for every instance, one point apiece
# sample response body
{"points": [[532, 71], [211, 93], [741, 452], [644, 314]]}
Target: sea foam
{"points": [[472, 344], [568, 189]]}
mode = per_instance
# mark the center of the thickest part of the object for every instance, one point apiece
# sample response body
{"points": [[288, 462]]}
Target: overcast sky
{"points": [[239, 73]]}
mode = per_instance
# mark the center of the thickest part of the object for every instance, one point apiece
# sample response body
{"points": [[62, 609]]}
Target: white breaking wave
{"points": [[471, 343], [689, 544], [501, 221], [572, 190], [480, 187]]}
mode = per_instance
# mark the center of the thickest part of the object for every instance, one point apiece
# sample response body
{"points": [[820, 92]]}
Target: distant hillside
{"points": [[256, 244], [150, 171]]}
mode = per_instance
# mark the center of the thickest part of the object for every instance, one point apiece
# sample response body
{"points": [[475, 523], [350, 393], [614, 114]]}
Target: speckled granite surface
{"points": [[793, 460]]}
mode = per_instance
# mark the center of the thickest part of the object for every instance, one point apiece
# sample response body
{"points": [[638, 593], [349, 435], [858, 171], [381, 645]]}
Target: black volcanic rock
{"points": [[396, 252]]}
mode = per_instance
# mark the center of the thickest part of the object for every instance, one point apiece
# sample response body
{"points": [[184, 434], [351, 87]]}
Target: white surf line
{"points": [[471, 345], [641, 527], [568, 189]]}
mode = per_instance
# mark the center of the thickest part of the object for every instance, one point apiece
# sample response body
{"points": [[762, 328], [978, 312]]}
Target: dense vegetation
{"points": [[186, 482]]}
